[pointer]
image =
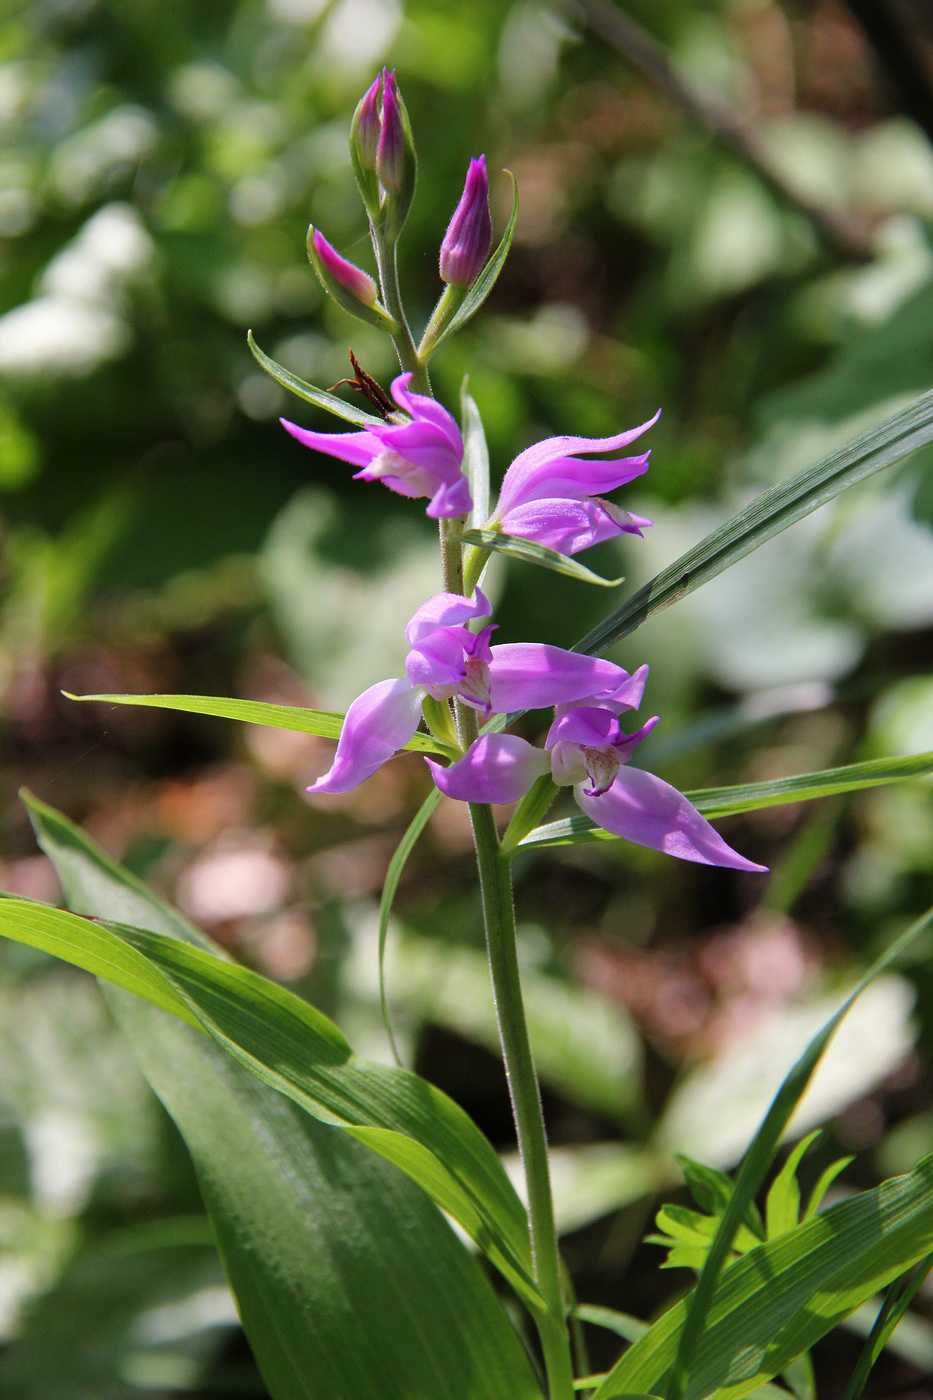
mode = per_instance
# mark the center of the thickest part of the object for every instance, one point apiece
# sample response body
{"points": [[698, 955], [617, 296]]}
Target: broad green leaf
{"points": [[757, 1161], [770, 513], [751, 797], [394, 873], [347, 1280], [778, 1299], [91, 946], [487, 279], [287, 1043], [325, 723], [475, 454], [531, 553], [291, 1046], [319, 397]]}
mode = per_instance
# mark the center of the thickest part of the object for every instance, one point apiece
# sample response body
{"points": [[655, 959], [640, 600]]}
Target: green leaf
{"points": [[288, 1044], [782, 1203], [751, 797], [319, 397], [753, 1171], [475, 454], [623, 1324], [347, 1279], [533, 553], [815, 1275], [295, 718], [487, 279], [770, 513], [91, 946], [394, 873]]}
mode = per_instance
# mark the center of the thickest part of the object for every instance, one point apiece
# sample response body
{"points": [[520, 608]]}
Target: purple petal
{"points": [[357, 448], [566, 525], [379, 722], [439, 658], [531, 675], [423, 445], [429, 410], [574, 477], [451, 500], [496, 768], [644, 809], [446, 610], [593, 728], [626, 696], [553, 463]]}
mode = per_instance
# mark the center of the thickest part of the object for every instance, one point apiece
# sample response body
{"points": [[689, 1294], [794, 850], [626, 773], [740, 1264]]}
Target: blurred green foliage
{"points": [[159, 164]]}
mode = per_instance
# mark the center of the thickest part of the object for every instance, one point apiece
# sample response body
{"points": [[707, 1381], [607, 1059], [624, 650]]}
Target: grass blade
{"points": [[297, 719], [394, 873], [770, 513], [751, 797]]}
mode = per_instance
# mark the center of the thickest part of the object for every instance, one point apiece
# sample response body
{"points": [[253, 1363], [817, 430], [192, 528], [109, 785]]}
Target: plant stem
{"points": [[499, 917], [405, 348]]}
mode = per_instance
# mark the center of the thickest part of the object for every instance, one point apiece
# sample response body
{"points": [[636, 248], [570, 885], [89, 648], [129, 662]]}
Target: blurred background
{"points": [[747, 244]]}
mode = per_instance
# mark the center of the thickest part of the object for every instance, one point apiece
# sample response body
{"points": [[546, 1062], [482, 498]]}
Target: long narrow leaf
{"points": [[475, 455], [394, 873], [770, 513], [898, 1299], [751, 797], [780, 1298], [297, 719], [319, 397]]}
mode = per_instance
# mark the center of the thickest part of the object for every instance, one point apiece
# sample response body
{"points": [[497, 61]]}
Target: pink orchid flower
{"points": [[447, 660], [587, 749], [420, 458], [552, 495]]}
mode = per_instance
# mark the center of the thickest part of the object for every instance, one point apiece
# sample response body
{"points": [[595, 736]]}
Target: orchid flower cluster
{"points": [[552, 495]]}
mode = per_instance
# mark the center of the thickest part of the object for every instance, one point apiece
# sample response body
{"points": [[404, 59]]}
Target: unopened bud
{"points": [[390, 152], [469, 236], [331, 267], [365, 128]]}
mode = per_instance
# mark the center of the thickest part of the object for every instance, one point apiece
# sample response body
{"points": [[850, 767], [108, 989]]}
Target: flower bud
{"points": [[331, 267], [469, 236], [390, 152], [366, 125]]}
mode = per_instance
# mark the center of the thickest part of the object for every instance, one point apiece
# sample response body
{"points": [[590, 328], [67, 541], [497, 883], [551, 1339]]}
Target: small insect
{"points": [[364, 384]]}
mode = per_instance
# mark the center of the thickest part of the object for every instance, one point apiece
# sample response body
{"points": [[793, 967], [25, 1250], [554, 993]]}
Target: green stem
{"points": [[499, 917], [405, 348]]}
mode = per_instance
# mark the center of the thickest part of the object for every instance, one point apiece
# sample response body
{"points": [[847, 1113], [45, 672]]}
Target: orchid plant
{"points": [[348, 1281]]}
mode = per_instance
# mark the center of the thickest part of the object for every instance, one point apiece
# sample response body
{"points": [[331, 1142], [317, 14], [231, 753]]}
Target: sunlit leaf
{"points": [[295, 718], [770, 513], [751, 797], [347, 1280]]}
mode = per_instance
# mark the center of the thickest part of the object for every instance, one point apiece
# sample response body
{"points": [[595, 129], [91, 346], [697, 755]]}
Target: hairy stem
{"points": [[405, 348], [499, 917]]}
